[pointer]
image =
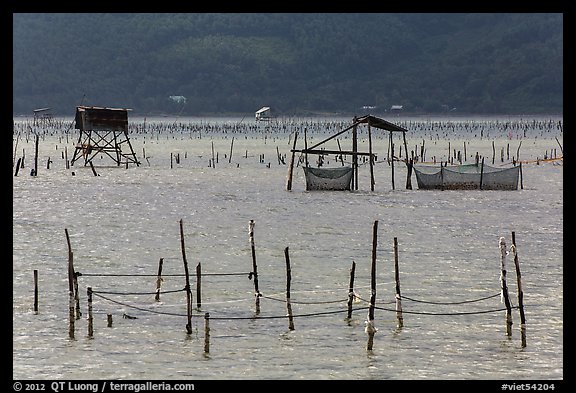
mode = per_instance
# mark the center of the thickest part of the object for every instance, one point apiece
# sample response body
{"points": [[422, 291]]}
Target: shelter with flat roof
{"points": [[42, 115], [370, 121]]}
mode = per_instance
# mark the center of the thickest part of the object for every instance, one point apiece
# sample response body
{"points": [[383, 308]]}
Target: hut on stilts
{"points": [[103, 131], [345, 177]]}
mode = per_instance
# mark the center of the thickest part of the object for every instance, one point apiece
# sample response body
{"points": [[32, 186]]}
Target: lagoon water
{"points": [[122, 222]]}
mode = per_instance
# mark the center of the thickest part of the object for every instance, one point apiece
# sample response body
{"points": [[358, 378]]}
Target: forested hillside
{"points": [[295, 63]]}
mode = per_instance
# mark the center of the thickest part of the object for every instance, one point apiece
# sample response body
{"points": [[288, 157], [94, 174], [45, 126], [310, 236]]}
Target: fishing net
{"points": [[467, 177], [328, 178]]}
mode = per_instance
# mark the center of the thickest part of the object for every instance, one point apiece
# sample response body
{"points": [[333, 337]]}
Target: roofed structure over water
{"points": [[103, 131]]}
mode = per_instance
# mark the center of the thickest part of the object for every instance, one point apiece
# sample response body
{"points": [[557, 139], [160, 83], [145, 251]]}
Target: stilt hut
{"points": [[103, 131], [264, 113], [345, 178], [42, 115]]}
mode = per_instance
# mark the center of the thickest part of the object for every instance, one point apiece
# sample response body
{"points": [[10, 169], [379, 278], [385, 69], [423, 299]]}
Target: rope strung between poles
{"points": [[447, 303]]}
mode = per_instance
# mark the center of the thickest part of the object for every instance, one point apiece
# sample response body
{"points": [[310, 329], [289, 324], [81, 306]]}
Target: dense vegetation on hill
{"points": [[296, 63]]}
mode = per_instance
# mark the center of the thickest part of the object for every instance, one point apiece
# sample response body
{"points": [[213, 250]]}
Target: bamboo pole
{"points": [[481, 172], [493, 152], [254, 272], [505, 298], [392, 158], [198, 286], [351, 289], [206, 332], [70, 288], [77, 296], [520, 292], [231, 146], [159, 279], [291, 168], [90, 318], [288, 279], [397, 279], [35, 291], [188, 291], [409, 165], [354, 155], [36, 156], [371, 158], [370, 329], [18, 166], [92, 167], [305, 147]]}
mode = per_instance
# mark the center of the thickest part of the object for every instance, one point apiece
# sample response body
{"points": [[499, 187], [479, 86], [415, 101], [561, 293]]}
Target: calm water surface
{"points": [[124, 220]]}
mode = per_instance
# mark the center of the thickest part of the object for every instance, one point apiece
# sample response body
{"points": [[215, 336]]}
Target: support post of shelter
{"points": [[355, 156]]}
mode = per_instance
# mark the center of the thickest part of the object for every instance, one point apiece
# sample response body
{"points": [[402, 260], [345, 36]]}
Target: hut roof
{"points": [[380, 123]]}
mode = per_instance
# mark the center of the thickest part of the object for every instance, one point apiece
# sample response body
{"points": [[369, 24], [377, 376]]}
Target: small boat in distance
{"points": [[467, 177]]}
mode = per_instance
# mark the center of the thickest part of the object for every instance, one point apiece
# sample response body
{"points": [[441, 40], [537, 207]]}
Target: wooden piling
{"points": [[198, 286], [392, 158], [288, 279], [351, 289], [520, 292], [481, 172], [493, 152], [370, 329], [36, 156], [70, 288], [231, 147], [159, 280], [93, 170], [90, 318], [254, 272], [109, 320], [397, 279], [77, 296], [291, 168], [18, 166], [505, 297], [409, 166], [355, 156], [207, 332], [371, 159], [35, 291], [188, 290]]}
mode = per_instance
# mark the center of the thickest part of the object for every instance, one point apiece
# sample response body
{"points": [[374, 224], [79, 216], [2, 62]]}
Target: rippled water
{"points": [[124, 220]]}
